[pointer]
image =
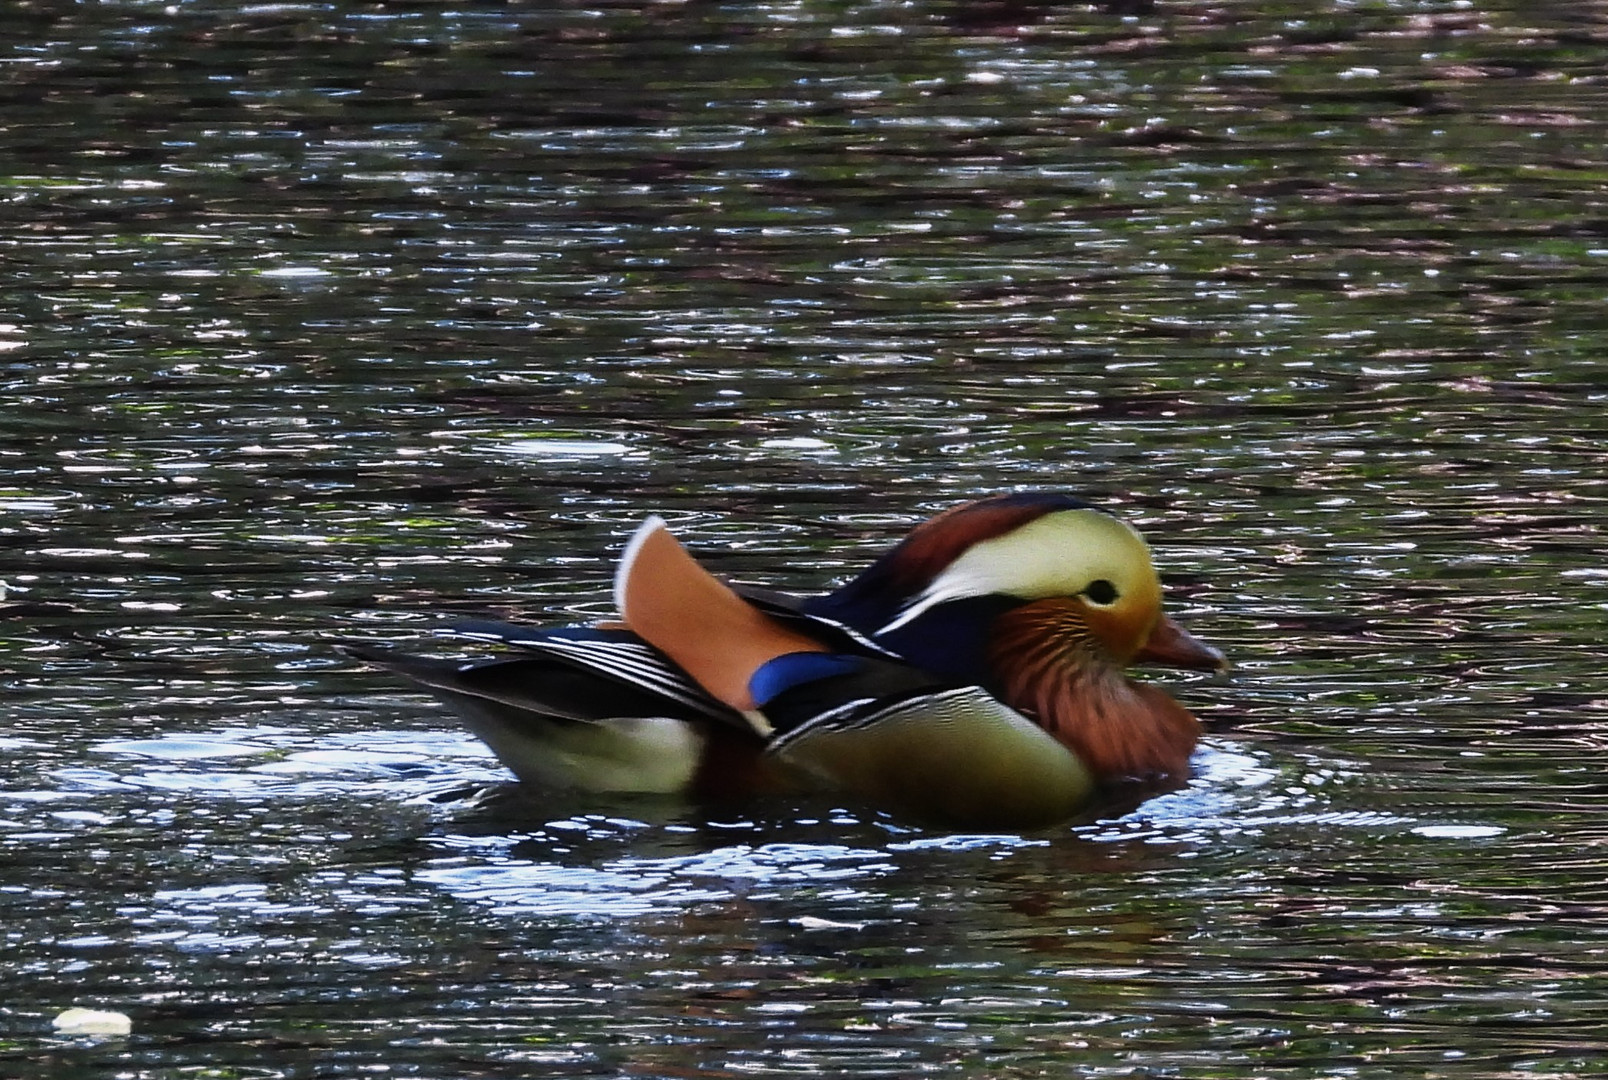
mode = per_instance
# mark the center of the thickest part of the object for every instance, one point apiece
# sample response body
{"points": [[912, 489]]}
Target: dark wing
{"points": [[581, 709], [790, 610], [591, 670], [533, 685]]}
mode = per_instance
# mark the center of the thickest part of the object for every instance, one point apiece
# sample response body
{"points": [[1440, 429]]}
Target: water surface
{"points": [[324, 321]]}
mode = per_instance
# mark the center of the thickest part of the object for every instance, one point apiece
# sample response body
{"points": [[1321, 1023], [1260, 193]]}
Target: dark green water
{"points": [[320, 321]]}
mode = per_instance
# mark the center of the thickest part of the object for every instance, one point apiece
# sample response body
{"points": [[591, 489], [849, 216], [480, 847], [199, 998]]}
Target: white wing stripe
{"points": [[844, 717], [625, 660]]}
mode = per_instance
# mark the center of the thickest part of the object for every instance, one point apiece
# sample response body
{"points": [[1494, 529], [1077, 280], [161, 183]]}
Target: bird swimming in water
{"points": [[973, 675]]}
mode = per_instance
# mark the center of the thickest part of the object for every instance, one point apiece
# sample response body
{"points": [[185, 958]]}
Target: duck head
{"points": [[1044, 599]]}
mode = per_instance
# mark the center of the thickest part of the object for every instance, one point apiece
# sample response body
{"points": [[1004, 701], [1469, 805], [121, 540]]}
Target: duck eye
{"points": [[1101, 592]]}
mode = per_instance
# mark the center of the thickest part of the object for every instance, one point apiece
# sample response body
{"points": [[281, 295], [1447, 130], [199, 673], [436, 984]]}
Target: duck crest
{"points": [[1050, 667], [876, 597]]}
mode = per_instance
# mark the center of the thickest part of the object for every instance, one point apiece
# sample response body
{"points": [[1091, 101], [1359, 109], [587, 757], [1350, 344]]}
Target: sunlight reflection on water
{"points": [[329, 320], [1234, 794]]}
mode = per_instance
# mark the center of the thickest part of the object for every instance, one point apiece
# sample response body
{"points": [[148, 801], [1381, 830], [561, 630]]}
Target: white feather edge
{"points": [[930, 598], [633, 547]]}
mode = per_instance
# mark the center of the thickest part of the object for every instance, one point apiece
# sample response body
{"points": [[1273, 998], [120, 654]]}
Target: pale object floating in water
{"points": [[93, 1022]]}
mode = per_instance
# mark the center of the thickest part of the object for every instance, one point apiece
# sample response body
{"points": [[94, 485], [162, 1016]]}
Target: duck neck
{"points": [[1050, 668], [949, 640]]}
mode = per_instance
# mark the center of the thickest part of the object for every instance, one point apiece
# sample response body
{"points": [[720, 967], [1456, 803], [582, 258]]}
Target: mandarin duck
{"points": [[972, 675]]}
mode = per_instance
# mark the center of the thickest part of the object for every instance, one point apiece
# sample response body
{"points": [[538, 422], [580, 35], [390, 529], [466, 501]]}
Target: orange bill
{"points": [[1170, 645]]}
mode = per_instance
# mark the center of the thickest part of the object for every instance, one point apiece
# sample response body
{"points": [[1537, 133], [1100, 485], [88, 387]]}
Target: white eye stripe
{"points": [[1065, 553]]}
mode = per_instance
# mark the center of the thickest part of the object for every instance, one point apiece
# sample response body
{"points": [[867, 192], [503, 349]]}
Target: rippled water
{"points": [[321, 321]]}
